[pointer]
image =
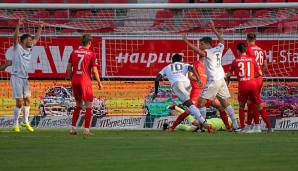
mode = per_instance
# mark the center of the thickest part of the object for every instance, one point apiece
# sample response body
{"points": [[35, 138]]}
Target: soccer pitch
{"points": [[54, 149]]}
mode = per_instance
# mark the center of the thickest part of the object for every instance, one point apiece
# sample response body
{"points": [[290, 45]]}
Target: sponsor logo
{"points": [[158, 122], [291, 123], [55, 122], [121, 122]]}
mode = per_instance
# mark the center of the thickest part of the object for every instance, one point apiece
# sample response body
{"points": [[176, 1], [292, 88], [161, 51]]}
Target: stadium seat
{"points": [[96, 1], [83, 14], [292, 0], [241, 14], [61, 16], [162, 14], [55, 1], [290, 27], [77, 1], [261, 13], [41, 14], [232, 1], [275, 0], [253, 1]]}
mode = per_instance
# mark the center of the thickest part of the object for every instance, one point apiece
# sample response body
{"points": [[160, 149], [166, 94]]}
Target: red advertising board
{"points": [[143, 58]]}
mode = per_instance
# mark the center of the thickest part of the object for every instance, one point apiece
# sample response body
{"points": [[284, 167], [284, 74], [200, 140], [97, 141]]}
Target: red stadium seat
{"points": [[61, 16], [83, 14], [232, 1], [96, 1], [261, 13], [275, 0], [54, 1], [292, 0], [41, 14], [253, 1], [77, 1], [290, 27], [241, 14]]}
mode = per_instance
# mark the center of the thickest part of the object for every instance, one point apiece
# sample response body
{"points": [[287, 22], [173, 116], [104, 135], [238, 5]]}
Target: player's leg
{"points": [[222, 113], [180, 90], [77, 93], [26, 107], [17, 92], [257, 99], [222, 95], [251, 112], [87, 96], [208, 93]]}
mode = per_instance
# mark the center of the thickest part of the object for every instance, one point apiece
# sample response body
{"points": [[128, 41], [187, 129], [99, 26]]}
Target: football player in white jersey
{"points": [[20, 63], [177, 74], [216, 85]]}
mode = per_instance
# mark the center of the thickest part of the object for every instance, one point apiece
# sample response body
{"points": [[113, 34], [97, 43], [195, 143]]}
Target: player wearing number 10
{"points": [[81, 63]]}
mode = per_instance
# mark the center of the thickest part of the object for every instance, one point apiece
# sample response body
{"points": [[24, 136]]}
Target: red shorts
{"points": [[249, 91], [195, 95], [82, 92]]}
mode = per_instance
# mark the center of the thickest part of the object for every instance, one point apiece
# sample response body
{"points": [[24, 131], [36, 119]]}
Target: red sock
{"points": [[75, 115], [224, 117], [180, 118], [88, 116], [265, 118], [250, 113], [242, 118]]}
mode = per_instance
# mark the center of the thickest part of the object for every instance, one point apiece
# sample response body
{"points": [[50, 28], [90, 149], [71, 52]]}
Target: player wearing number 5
{"points": [[81, 63], [216, 86]]}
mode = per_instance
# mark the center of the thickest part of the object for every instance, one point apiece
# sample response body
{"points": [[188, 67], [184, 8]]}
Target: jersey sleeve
{"points": [[220, 47], [9, 53]]}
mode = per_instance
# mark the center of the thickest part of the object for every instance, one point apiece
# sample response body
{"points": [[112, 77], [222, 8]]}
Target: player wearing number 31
{"points": [[81, 63]]}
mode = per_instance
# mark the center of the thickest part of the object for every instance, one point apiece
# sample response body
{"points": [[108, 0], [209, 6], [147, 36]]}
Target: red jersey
{"points": [[256, 53], [200, 69], [82, 61], [245, 68]]}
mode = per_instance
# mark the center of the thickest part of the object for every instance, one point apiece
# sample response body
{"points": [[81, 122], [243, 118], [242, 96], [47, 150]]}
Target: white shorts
{"points": [[182, 90], [216, 88], [20, 87]]}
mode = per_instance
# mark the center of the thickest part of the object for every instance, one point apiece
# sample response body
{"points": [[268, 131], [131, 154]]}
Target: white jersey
{"points": [[213, 65], [175, 72], [21, 59]]}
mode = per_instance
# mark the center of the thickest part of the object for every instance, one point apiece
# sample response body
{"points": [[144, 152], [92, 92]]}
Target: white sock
{"points": [[231, 113], [203, 111], [87, 130], [195, 111], [16, 114], [26, 114]]}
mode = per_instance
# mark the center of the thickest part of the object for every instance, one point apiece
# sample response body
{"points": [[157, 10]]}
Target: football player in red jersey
{"points": [[258, 54], [82, 64], [247, 71]]}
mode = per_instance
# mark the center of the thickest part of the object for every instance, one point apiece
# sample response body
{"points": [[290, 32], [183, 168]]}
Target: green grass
{"points": [[147, 150]]}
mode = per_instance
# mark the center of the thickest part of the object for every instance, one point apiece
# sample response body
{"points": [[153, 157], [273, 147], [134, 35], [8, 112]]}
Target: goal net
{"points": [[133, 42]]}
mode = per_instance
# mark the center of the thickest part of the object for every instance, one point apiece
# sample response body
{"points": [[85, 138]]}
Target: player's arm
{"points": [[17, 33], [258, 69], [38, 33], [265, 66], [228, 74], [215, 31], [7, 63], [69, 70], [193, 47], [96, 75], [196, 76], [156, 85]]}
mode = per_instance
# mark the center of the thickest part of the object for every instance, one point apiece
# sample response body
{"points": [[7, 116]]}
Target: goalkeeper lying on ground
{"points": [[216, 123]]}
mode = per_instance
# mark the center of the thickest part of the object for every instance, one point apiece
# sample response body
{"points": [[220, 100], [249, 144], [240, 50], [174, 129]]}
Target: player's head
{"points": [[241, 48], [86, 40], [205, 42], [251, 38], [26, 40], [176, 58]]}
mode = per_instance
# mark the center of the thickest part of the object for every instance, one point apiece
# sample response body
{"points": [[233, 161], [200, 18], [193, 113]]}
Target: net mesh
{"points": [[134, 44]]}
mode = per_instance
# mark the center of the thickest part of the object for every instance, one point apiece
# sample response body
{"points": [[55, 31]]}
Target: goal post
{"points": [[134, 41]]}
